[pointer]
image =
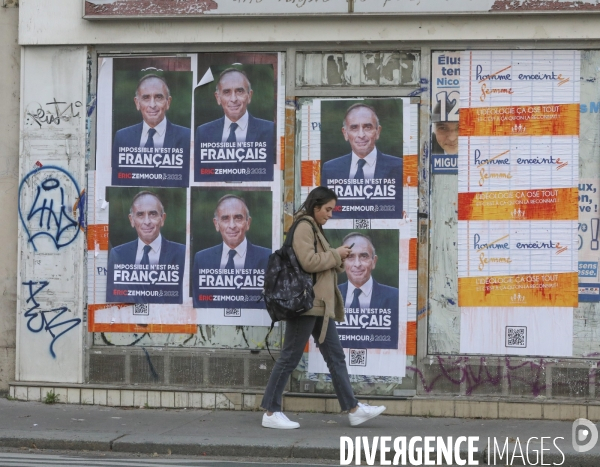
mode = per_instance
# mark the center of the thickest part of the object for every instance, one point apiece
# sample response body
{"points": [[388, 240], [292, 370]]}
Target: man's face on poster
{"points": [[446, 134], [152, 99], [147, 217], [361, 130], [232, 221], [360, 262], [234, 95]]}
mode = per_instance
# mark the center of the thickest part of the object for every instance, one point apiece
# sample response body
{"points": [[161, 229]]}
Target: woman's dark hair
{"points": [[317, 198]]}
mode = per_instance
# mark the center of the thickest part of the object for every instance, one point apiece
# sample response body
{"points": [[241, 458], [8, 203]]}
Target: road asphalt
{"points": [[196, 432]]}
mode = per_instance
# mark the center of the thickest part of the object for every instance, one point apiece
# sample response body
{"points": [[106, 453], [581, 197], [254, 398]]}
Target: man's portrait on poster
{"points": [[371, 307], [237, 146], [141, 271], [236, 254], [361, 290], [366, 179], [155, 143]]}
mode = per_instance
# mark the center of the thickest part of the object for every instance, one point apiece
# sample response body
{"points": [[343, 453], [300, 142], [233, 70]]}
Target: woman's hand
{"points": [[344, 251]]}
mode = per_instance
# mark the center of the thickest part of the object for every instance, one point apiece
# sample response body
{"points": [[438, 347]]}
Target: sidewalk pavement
{"points": [[239, 433]]}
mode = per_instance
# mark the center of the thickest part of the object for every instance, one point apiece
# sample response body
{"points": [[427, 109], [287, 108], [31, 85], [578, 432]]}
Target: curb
{"points": [[192, 446], [53, 440], [489, 408]]}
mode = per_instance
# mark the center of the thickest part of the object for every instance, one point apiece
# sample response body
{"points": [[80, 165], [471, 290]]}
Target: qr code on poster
{"points": [[516, 336], [358, 357], [233, 312], [362, 223], [141, 309]]}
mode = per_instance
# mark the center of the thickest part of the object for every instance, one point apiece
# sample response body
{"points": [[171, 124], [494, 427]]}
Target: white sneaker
{"points": [[278, 420], [365, 412]]}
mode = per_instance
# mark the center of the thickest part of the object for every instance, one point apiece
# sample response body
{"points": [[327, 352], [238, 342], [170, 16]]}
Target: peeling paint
{"points": [[545, 5], [148, 7], [359, 68]]}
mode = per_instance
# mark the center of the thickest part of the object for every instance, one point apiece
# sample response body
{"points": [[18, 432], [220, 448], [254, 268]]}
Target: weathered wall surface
{"points": [[61, 22], [50, 313], [10, 57], [513, 376], [51, 204]]}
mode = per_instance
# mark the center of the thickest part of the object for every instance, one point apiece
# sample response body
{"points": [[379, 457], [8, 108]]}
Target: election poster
{"points": [[235, 114], [445, 105], [360, 155], [518, 177], [152, 289], [147, 251], [150, 124], [374, 334], [123, 317], [231, 240], [379, 331], [369, 288]]}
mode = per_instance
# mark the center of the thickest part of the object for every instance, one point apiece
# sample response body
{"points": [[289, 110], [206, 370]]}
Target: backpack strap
{"points": [[288, 242], [290, 235], [267, 339], [290, 238]]}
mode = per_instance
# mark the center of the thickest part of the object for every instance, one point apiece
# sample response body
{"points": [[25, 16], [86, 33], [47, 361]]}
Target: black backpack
{"points": [[288, 289]]}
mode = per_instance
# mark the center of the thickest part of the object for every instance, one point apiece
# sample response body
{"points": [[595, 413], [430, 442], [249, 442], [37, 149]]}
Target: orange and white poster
{"points": [[518, 200]]}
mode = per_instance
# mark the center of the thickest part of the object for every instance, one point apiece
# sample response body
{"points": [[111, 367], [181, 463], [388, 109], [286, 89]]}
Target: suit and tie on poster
{"points": [[369, 288], [151, 112], [361, 156], [234, 120], [231, 238], [146, 259], [365, 150]]}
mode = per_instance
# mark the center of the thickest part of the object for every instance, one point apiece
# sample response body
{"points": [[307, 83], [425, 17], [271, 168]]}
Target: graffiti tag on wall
{"points": [[38, 320], [57, 113], [57, 209]]}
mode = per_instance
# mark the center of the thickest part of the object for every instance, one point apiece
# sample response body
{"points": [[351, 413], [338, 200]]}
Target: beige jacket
{"points": [[326, 263]]}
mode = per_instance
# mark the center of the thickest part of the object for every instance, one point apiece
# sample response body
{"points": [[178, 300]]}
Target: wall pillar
{"points": [[51, 204]]}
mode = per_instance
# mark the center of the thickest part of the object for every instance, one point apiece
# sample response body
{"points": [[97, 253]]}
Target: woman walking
{"points": [[326, 262]]}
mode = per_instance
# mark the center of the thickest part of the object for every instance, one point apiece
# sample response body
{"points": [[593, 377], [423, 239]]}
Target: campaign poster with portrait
{"points": [[231, 240], [151, 118], [369, 288], [146, 242], [376, 334], [361, 156], [235, 109], [445, 105]]}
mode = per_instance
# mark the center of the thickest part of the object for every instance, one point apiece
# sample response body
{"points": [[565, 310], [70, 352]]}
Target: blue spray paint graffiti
{"points": [[49, 211], [37, 318], [420, 90]]}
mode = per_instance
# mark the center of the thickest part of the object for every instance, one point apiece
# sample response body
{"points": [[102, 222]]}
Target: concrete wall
{"points": [[59, 72], [10, 58], [51, 201], [61, 22]]}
